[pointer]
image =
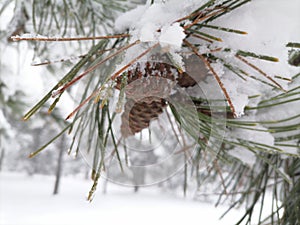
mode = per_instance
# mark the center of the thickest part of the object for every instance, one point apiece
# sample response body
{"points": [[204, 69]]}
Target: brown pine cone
{"points": [[138, 115], [148, 86]]}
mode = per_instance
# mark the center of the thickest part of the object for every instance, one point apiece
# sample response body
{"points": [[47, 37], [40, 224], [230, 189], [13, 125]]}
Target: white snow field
{"points": [[27, 200]]}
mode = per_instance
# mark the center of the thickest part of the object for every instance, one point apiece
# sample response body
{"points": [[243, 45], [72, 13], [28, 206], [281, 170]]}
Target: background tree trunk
{"points": [[59, 166], [2, 155]]}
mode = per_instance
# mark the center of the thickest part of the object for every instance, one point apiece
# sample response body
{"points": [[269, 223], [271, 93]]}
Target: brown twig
{"points": [[215, 50], [83, 103], [202, 38], [200, 18], [260, 71], [194, 14], [194, 49], [188, 16]]}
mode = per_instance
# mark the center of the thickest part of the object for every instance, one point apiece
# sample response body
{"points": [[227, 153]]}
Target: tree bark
{"points": [[2, 154], [59, 166]]}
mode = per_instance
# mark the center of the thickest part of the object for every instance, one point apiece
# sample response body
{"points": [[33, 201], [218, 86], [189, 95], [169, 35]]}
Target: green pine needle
{"points": [[262, 57], [224, 29]]}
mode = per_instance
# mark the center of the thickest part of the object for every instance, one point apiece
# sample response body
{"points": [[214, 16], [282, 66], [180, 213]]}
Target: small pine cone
{"points": [[148, 85], [138, 115]]}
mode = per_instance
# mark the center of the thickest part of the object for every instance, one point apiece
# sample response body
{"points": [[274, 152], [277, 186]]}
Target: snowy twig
{"points": [[48, 62], [29, 37], [194, 49]]}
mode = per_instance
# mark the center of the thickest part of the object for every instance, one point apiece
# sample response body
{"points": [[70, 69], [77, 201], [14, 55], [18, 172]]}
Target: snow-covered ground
{"points": [[28, 200]]}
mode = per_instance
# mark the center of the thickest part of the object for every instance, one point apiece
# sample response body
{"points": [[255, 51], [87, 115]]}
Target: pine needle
{"points": [[93, 68], [224, 29], [70, 75]]}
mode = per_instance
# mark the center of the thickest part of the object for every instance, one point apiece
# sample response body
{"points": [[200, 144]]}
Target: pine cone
{"points": [[138, 115], [148, 86]]}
